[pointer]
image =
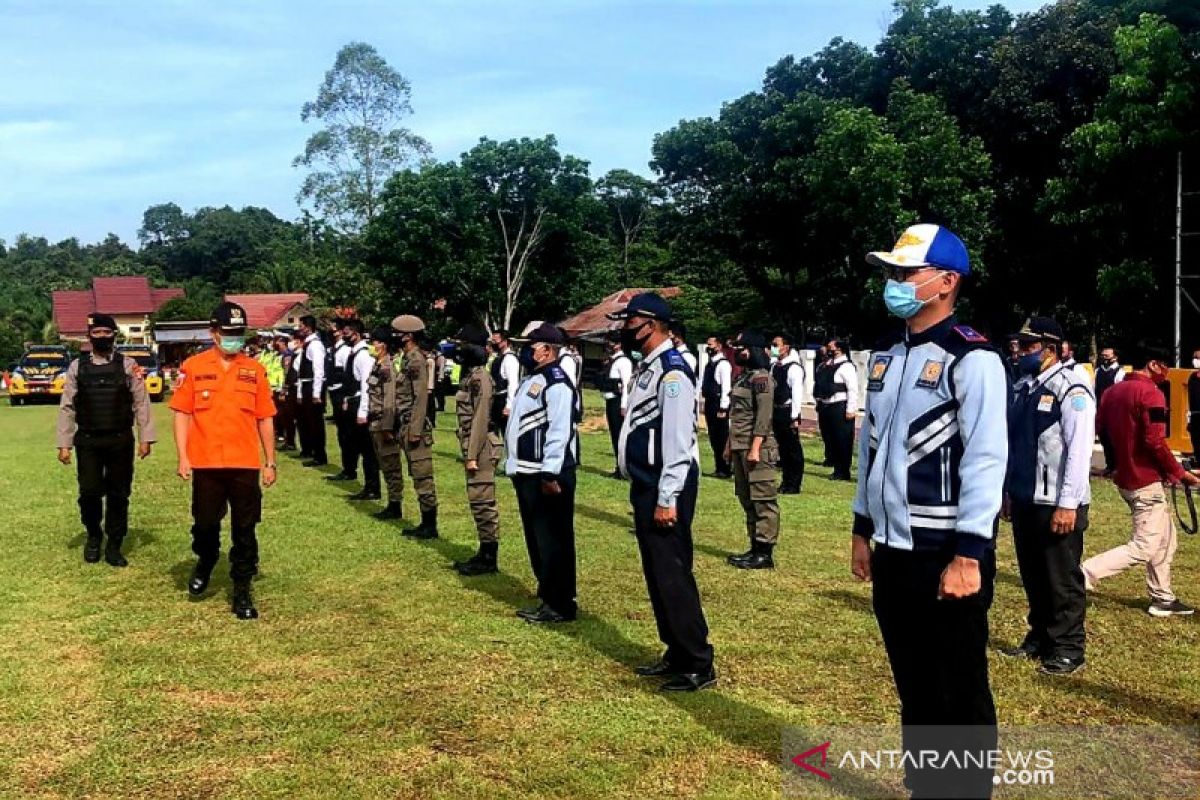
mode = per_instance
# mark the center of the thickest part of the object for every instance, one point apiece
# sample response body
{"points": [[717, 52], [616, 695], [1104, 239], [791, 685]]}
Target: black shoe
{"points": [[547, 615], [315, 463], [840, 476], [737, 559], [342, 476], [789, 490], [721, 476], [199, 580], [1061, 665], [91, 549], [690, 681], [391, 511], [1023, 650], [365, 494], [759, 560], [659, 669], [112, 554], [428, 527], [285, 448], [1171, 609], [526, 613], [243, 602], [482, 563]]}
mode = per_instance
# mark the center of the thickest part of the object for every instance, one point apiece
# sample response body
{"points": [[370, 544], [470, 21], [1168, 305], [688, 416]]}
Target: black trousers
{"points": [[839, 436], [612, 415], [104, 464], [1049, 564], [791, 451], [1110, 463], [938, 653], [1193, 434], [285, 419], [667, 565], [345, 435], [215, 491], [360, 436], [310, 421], [549, 523], [718, 435]]}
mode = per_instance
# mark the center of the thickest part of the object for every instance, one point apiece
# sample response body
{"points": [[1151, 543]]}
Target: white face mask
{"points": [[1196, 363]]}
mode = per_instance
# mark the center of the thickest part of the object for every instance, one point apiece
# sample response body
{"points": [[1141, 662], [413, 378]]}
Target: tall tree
{"points": [[361, 104], [630, 200]]}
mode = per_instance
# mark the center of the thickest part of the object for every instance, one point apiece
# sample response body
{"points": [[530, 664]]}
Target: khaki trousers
{"points": [[1153, 544]]}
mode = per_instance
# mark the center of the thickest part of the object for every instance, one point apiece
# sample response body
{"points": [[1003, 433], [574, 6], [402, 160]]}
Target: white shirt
{"points": [[314, 351], [795, 379], [570, 366], [723, 375], [362, 375], [620, 369], [847, 375], [510, 371], [689, 357]]}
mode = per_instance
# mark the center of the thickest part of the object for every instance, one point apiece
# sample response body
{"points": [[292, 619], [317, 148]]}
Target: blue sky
{"points": [[109, 107]]}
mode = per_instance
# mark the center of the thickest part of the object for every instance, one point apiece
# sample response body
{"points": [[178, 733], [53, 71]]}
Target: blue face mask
{"points": [[232, 344], [901, 297], [1030, 364], [527, 360]]}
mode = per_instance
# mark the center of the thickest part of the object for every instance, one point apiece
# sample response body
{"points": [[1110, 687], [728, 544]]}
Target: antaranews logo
{"points": [[801, 760]]}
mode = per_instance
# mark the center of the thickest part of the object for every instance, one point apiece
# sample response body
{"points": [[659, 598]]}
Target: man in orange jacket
{"points": [[223, 415]]}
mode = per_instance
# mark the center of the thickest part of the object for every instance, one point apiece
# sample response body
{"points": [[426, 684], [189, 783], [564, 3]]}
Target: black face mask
{"points": [[712, 351], [102, 344], [630, 340], [526, 358]]}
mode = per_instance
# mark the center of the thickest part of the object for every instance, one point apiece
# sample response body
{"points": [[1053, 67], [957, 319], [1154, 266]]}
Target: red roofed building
{"points": [[129, 299], [594, 322], [265, 311]]}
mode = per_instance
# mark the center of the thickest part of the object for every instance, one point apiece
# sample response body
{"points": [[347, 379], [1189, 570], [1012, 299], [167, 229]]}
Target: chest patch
{"points": [[1046, 403], [879, 368], [535, 389], [931, 374], [247, 376], [644, 379]]}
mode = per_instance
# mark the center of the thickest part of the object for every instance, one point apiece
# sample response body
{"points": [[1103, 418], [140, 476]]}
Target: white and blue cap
{"points": [[925, 246]]}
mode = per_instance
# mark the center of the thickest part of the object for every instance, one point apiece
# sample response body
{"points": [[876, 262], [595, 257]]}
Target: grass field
{"points": [[376, 671]]}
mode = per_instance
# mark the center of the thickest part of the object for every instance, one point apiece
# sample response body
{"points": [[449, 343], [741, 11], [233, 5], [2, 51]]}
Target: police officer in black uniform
{"points": [[103, 397], [657, 452], [715, 388], [788, 374]]}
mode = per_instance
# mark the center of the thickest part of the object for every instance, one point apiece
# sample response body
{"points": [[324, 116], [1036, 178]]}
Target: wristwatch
{"points": [[270, 466]]}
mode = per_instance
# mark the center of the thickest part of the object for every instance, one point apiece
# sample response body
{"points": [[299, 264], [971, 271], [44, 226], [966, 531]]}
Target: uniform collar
{"points": [[930, 334], [791, 358], [654, 354]]}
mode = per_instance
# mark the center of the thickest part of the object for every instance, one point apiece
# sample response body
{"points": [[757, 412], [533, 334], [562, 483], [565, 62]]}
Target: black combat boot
{"points": [[366, 494], [759, 557], [198, 582], [428, 527], [91, 548], [740, 558], [243, 602], [391, 511], [112, 553], [482, 563]]}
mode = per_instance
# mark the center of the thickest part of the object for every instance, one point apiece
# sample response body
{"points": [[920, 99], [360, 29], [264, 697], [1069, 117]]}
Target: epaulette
{"points": [[969, 334], [673, 358]]}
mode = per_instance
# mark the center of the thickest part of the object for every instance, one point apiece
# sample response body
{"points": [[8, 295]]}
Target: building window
{"points": [[135, 329]]}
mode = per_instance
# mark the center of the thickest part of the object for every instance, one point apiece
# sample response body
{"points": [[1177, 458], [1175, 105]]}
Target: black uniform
{"points": [[832, 395], [310, 420], [340, 385], [791, 451], [100, 398], [716, 419]]}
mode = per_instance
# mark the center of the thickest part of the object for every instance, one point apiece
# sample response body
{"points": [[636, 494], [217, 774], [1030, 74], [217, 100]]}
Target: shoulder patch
{"points": [[672, 385], [761, 383], [1079, 402], [969, 334]]}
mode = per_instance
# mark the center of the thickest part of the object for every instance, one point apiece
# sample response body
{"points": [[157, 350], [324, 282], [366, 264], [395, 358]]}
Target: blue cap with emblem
{"points": [[925, 246], [650, 305]]}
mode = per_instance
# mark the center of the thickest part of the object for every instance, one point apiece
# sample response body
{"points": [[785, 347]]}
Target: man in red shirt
{"points": [[1133, 416], [223, 415]]}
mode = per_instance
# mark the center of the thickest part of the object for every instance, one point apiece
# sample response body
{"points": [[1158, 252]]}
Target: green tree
{"points": [[361, 104], [630, 201]]}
